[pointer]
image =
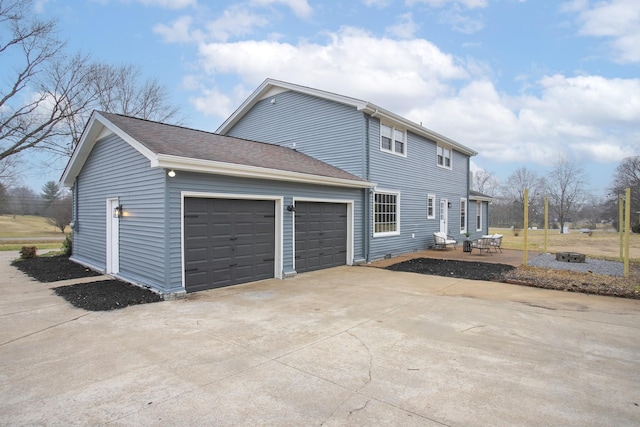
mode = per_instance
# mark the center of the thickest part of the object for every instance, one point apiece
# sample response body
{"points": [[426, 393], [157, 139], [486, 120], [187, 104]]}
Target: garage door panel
{"points": [[229, 241], [219, 229], [321, 235]]}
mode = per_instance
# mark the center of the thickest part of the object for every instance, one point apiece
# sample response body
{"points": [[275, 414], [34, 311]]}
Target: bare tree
{"points": [[24, 201], [565, 186], [485, 182], [47, 96], [122, 90], [627, 175], [9, 170], [512, 195], [3, 199], [59, 213]]}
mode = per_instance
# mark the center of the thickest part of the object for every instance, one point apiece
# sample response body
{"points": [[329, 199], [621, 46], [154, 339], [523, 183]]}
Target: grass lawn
{"points": [[601, 244], [28, 230]]}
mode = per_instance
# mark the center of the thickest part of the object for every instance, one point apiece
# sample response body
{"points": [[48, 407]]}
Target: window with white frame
{"points": [[386, 216], [431, 206], [478, 216], [444, 156], [393, 140], [463, 216]]}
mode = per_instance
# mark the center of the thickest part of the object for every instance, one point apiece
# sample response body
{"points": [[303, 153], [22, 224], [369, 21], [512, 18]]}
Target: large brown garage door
{"points": [[228, 241], [321, 235]]}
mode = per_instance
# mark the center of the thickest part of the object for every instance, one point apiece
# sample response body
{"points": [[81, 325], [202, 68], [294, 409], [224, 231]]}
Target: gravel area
{"points": [[596, 266]]}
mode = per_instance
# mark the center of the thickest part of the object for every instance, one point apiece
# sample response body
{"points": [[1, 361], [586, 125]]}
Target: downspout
{"points": [[367, 191]]}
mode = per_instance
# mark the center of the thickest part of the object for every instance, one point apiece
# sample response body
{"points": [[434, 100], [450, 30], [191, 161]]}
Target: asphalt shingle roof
{"points": [[179, 141]]}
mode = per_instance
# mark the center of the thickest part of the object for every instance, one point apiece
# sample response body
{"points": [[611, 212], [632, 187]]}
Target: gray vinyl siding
{"points": [[472, 219], [414, 177], [114, 169], [331, 132], [202, 183]]}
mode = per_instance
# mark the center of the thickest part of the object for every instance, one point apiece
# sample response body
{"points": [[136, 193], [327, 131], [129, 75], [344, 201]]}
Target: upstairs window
{"points": [[444, 157], [393, 140]]}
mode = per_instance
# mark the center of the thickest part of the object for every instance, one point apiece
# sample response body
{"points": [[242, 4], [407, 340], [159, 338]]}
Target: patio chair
{"points": [[496, 242], [482, 244], [443, 241]]}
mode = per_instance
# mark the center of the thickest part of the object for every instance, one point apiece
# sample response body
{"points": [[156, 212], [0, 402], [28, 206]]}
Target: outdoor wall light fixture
{"points": [[171, 173], [291, 208], [117, 211], [449, 205]]}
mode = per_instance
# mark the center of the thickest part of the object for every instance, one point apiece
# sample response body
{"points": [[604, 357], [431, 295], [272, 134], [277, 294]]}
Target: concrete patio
{"points": [[345, 346]]}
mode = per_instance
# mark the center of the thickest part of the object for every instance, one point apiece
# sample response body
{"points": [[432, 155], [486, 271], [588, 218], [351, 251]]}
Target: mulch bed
{"points": [[559, 280], [452, 268], [106, 295], [102, 295], [53, 269]]}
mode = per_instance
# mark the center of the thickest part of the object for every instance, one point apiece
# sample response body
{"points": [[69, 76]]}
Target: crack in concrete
{"points": [[368, 353], [44, 329], [473, 327], [359, 409]]}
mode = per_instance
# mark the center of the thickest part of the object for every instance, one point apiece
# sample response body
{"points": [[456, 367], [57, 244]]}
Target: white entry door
{"points": [[444, 216], [113, 238]]}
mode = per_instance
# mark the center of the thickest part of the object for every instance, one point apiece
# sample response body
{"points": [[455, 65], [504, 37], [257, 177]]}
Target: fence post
{"points": [[627, 230], [546, 221], [621, 224], [526, 224]]}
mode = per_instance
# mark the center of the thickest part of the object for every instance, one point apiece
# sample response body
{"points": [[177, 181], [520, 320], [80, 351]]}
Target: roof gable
{"points": [[271, 87], [180, 148]]}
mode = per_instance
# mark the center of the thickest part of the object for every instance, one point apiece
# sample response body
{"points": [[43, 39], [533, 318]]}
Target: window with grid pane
{"points": [[385, 213], [431, 206], [444, 157], [393, 140]]}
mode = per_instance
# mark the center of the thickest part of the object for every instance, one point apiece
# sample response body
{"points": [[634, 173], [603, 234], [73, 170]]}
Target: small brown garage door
{"points": [[227, 242], [321, 235]]}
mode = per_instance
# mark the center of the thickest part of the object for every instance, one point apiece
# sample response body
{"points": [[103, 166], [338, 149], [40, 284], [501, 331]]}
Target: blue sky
{"points": [[521, 82]]}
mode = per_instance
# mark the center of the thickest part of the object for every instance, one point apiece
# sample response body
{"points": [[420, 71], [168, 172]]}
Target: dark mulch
{"points": [[452, 268], [101, 295], [561, 280], [53, 269], [106, 295]]}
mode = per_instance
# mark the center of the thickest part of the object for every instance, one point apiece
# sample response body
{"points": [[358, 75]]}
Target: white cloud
{"points": [[469, 4], [300, 8], [169, 4], [376, 3], [352, 62], [235, 21], [586, 117], [616, 20], [461, 22], [179, 31], [404, 28]]}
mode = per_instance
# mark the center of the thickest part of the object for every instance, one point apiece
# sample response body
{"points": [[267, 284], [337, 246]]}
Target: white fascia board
{"points": [[96, 127], [480, 198], [142, 149], [81, 152], [376, 111], [231, 169]]}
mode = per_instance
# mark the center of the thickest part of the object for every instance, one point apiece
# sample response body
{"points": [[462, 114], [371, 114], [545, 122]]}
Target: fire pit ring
{"points": [[570, 257]]}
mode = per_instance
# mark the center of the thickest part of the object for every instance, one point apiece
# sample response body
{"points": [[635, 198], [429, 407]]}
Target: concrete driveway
{"points": [[346, 346]]}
